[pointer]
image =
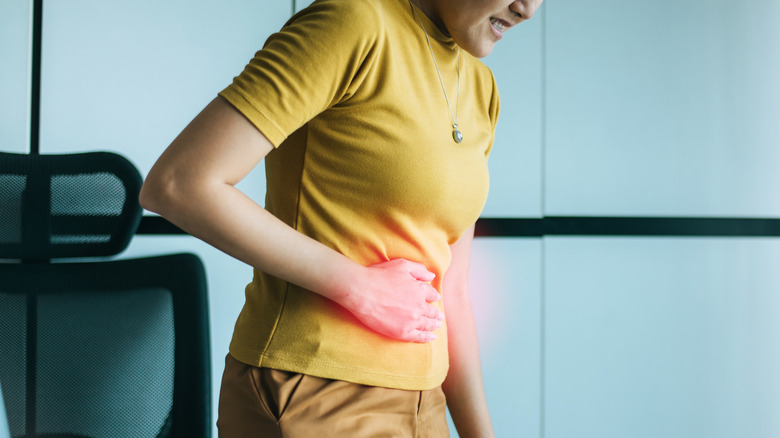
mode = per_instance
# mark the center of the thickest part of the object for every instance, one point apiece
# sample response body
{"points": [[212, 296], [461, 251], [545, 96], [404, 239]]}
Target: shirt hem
{"points": [[337, 372]]}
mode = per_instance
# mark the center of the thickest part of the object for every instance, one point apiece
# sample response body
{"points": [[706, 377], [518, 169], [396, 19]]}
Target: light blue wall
{"points": [[660, 337], [664, 108], [15, 56]]}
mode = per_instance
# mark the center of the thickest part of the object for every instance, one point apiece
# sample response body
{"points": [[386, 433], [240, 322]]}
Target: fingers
{"points": [[429, 323], [420, 330], [420, 272], [433, 313], [421, 337], [432, 295], [402, 308]]}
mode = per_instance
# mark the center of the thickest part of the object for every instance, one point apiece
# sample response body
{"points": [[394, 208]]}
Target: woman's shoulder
{"points": [[362, 22], [482, 84], [355, 13], [479, 71]]}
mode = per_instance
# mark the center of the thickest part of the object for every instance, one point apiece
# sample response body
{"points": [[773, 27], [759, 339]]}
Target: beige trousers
{"points": [[263, 402]]}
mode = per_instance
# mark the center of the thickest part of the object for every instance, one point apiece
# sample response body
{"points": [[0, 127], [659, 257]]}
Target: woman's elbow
{"points": [[157, 193], [147, 197]]}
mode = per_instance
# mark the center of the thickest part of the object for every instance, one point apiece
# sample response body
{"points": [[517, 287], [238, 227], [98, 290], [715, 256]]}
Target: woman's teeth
{"points": [[497, 24]]}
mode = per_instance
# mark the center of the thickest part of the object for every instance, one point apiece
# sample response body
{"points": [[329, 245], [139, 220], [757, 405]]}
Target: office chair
{"points": [[90, 347]]}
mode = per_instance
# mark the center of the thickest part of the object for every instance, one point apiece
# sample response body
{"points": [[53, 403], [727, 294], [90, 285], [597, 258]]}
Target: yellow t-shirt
{"points": [[365, 164]]}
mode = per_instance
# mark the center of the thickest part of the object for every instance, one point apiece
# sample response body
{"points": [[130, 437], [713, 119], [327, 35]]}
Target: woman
{"points": [[376, 120]]}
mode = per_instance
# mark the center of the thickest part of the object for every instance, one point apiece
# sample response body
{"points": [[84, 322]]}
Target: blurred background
{"points": [[645, 112]]}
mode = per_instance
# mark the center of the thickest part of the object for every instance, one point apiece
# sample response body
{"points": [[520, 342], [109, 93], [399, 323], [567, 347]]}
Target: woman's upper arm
{"points": [[219, 146]]}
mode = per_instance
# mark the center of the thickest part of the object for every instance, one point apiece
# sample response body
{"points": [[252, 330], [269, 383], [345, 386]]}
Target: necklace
{"points": [[456, 134]]}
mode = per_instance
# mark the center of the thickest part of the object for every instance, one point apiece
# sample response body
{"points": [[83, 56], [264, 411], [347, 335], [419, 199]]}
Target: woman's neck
{"points": [[429, 8]]}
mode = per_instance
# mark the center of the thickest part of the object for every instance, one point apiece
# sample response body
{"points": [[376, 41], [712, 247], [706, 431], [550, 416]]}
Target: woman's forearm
{"points": [[227, 219], [463, 387]]}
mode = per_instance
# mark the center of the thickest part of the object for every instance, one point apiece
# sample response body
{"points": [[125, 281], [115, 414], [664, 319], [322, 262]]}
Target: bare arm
{"points": [[463, 386], [193, 186]]}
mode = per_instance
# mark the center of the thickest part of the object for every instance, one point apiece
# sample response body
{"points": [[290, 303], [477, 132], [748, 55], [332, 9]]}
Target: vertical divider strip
{"points": [[35, 90]]}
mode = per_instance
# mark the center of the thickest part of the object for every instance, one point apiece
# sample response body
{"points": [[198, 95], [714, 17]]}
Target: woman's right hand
{"points": [[394, 298]]}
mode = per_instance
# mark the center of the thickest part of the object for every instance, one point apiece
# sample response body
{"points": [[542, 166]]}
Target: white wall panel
{"points": [[516, 159], [663, 108], [15, 34], [129, 76], [662, 337]]}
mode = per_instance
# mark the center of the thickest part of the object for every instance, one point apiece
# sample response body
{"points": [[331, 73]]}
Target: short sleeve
{"points": [[494, 110], [311, 64]]}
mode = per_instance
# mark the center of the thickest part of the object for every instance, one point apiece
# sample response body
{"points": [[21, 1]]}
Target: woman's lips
{"points": [[499, 26]]}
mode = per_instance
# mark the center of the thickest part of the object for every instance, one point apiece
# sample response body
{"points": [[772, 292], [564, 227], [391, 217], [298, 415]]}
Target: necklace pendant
{"points": [[456, 134]]}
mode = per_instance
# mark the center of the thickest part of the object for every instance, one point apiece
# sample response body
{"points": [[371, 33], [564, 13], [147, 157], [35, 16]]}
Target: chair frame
{"points": [[191, 412]]}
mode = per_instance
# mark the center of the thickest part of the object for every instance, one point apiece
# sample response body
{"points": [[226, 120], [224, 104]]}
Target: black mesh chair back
{"points": [[67, 205], [95, 348]]}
